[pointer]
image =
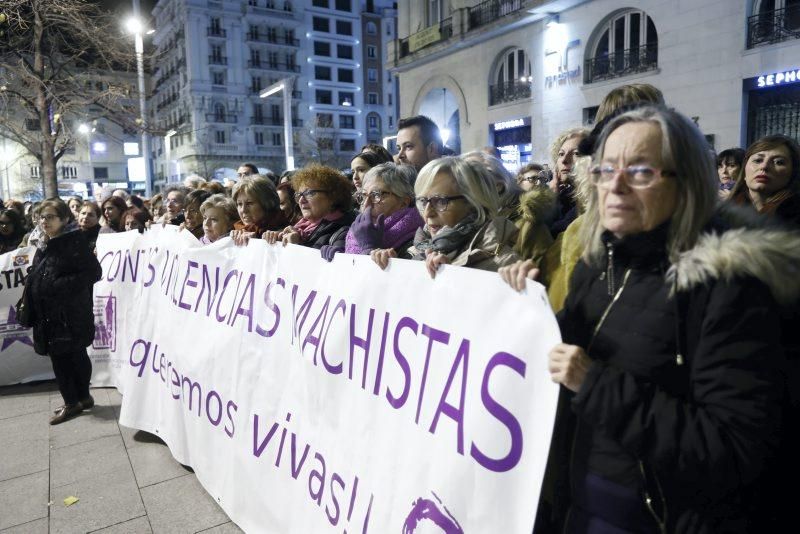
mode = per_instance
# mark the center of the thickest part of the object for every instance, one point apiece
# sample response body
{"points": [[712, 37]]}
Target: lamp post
{"points": [[284, 85], [135, 27]]}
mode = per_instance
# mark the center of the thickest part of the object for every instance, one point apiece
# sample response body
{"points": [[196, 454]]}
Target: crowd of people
{"points": [[673, 271]]}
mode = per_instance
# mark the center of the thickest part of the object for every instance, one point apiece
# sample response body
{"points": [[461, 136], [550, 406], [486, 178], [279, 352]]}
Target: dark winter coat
{"points": [[331, 233], [681, 405], [60, 293]]}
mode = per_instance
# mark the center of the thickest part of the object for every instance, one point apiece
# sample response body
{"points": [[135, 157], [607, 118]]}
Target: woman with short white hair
{"points": [[459, 207], [388, 222]]}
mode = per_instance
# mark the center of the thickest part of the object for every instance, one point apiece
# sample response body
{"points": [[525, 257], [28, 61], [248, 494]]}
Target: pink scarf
{"points": [[306, 227]]}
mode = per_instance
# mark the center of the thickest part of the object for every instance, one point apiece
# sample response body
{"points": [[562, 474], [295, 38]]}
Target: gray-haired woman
{"points": [[459, 207], [386, 226], [671, 357]]}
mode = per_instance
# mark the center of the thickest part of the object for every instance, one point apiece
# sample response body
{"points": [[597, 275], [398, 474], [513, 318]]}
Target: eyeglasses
{"points": [[308, 194], [4, 224], [539, 179], [439, 203], [48, 217], [636, 176], [375, 196]]}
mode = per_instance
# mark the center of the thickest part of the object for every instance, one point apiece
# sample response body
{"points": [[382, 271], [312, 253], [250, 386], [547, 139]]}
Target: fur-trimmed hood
{"points": [[748, 247], [537, 206]]}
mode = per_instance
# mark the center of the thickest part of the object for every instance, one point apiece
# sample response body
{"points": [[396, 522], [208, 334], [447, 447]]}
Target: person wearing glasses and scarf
{"points": [[459, 206], [386, 226], [325, 199]]}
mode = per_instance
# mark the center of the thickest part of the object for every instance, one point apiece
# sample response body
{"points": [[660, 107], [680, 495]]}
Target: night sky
{"points": [[126, 6]]}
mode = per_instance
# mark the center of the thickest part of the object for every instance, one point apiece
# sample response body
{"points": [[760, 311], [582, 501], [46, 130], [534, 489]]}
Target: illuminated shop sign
{"points": [[513, 123], [778, 78]]}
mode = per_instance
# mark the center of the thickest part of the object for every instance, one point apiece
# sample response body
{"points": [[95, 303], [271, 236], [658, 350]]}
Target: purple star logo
{"points": [[18, 333]]}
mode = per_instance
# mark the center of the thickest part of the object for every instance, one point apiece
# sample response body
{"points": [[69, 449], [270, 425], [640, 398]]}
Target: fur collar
{"points": [[748, 248]]}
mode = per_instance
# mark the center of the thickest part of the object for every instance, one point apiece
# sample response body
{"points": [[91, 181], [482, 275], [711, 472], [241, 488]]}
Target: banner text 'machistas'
{"points": [[388, 355]]}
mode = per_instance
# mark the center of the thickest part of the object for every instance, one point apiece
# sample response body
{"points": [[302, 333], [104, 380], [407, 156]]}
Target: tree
{"points": [[62, 62]]}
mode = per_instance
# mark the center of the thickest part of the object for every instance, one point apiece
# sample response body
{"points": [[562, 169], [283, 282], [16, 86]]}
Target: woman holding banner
{"points": [[58, 292], [671, 358], [459, 206]]}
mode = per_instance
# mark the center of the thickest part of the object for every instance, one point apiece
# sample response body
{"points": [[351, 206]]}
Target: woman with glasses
{"points": [[12, 230], [113, 208], [459, 206], [325, 199], [671, 358], [388, 221], [770, 180], [530, 176], [259, 208], [58, 292]]}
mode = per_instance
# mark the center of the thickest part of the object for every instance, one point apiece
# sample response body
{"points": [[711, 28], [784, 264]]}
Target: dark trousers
{"points": [[73, 372]]}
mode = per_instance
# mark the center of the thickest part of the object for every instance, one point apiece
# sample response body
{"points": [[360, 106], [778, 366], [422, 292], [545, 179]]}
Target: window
{"points": [[391, 121], [773, 21], [372, 29], [255, 84], [347, 121], [276, 139], [344, 27], [372, 75], [322, 48], [343, 5], [389, 99], [346, 99], [218, 78], [68, 173], [325, 120], [346, 75], [626, 43], [347, 145], [320, 3], [434, 14], [31, 124], [344, 51], [324, 97], [219, 136], [322, 73], [252, 33], [100, 173], [258, 138], [219, 112], [36, 171], [255, 58], [258, 113], [372, 52], [321, 24], [511, 80], [372, 99], [372, 121]]}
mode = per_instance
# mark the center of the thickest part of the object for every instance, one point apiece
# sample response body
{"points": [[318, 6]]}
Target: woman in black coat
{"points": [[671, 359], [12, 228], [59, 294]]}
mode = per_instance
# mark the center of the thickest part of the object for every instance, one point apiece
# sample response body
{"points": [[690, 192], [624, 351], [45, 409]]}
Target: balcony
{"points": [[227, 118], [631, 61], [772, 27], [213, 31], [274, 121], [266, 65], [217, 60], [426, 37], [491, 10], [509, 92], [270, 9]]}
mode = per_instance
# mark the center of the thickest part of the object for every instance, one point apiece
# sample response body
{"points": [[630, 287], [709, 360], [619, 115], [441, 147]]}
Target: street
{"points": [[125, 480]]}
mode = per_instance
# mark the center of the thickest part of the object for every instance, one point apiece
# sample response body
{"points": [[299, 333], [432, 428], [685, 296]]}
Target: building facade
{"points": [[215, 58], [515, 73]]}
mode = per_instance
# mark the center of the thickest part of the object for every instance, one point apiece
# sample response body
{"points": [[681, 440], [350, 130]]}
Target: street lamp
{"points": [[134, 26], [284, 85]]}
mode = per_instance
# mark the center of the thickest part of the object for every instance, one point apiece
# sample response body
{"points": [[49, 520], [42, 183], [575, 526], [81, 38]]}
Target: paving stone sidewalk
{"points": [[126, 480]]}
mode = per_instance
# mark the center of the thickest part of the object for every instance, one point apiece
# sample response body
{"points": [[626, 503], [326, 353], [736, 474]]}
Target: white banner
{"points": [[312, 396], [18, 361]]}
